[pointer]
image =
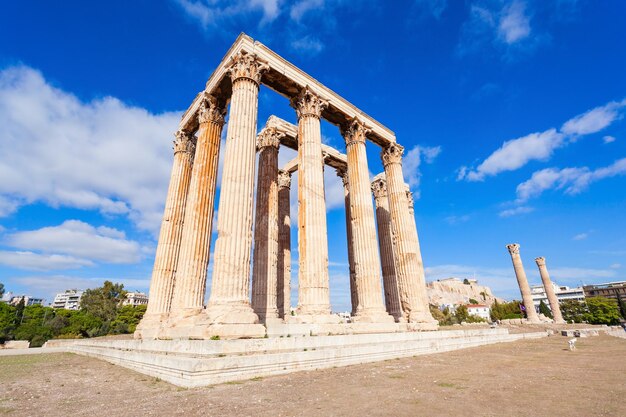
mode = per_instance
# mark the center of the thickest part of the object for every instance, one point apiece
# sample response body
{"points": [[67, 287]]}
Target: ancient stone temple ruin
{"points": [[381, 235]]}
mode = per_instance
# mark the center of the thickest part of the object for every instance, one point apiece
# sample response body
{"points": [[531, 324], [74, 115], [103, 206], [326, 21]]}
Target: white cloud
{"points": [[302, 7], [593, 120], [214, 14], [101, 155], [435, 7], [41, 262], [571, 180], [452, 220], [514, 24], [581, 236], [608, 139], [615, 266], [569, 274], [516, 211], [516, 153], [78, 239], [412, 161], [308, 44]]}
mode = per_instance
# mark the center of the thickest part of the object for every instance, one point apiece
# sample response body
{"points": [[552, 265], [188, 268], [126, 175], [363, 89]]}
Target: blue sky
{"points": [[511, 113]]}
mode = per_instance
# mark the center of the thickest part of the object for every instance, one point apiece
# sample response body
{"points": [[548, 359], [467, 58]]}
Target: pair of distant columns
{"points": [[527, 298]]}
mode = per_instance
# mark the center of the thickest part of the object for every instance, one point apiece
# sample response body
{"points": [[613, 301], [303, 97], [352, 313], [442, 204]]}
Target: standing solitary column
{"points": [[314, 296], [366, 258], [385, 242], [264, 269], [547, 285], [168, 248], [284, 244], [188, 298], [520, 274], [229, 302], [346, 196], [409, 266]]}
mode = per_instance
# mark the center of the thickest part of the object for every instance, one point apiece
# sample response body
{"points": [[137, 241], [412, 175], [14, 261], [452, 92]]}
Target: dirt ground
{"points": [[526, 378]]}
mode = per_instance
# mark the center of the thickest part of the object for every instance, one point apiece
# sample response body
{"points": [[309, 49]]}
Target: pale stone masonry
{"points": [[166, 258], [522, 281], [236, 306], [284, 245], [385, 242], [229, 302], [191, 272], [549, 289], [409, 266], [265, 261]]}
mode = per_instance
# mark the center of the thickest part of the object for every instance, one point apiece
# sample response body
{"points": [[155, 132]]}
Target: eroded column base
{"points": [[372, 316], [150, 326], [231, 313], [314, 319]]}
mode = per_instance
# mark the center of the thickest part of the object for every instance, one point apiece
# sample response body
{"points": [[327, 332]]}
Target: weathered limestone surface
{"points": [[229, 301], [314, 296], [409, 266], [547, 284], [370, 306], [168, 248], [522, 281], [284, 245], [346, 195], [265, 267], [385, 242], [191, 272]]}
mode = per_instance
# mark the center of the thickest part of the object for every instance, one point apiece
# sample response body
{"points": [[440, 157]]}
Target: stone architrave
{"points": [[547, 285], [346, 195], [229, 301], [522, 281], [314, 295], [168, 248], [193, 261], [264, 268], [284, 245], [409, 265], [385, 242], [367, 265]]}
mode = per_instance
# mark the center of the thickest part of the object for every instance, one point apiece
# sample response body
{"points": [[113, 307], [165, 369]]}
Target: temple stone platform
{"points": [[195, 363]]}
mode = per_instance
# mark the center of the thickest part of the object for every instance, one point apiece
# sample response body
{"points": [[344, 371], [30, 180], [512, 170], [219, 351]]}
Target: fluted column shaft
{"points": [[346, 194], [193, 261], [264, 269], [366, 258], [547, 285], [314, 296], [522, 281], [284, 244], [409, 265], [229, 300], [168, 248], [385, 242]]}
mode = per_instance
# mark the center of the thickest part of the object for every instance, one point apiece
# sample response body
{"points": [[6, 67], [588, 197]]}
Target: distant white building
{"points": [[68, 300], [135, 299], [481, 310], [562, 293], [15, 299]]}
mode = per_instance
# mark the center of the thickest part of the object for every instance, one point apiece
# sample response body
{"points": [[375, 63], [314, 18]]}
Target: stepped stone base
{"points": [[194, 363]]}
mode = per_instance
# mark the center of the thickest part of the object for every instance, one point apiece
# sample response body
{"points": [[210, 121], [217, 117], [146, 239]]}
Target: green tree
{"points": [[466, 281], [543, 309], [127, 319], [7, 322], [573, 311], [33, 325], [601, 310], [103, 302], [19, 311], [473, 301], [1, 289], [505, 311]]}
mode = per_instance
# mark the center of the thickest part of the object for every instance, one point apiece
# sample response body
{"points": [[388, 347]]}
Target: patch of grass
{"points": [[449, 385], [216, 337], [396, 376], [234, 383], [257, 378]]}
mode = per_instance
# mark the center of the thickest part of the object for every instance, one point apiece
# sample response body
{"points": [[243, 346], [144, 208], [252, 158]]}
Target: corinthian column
{"points": [[162, 283], [409, 265], [366, 258], [284, 244], [264, 270], [191, 273], [385, 242], [346, 195], [520, 274], [314, 297], [547, 285], [229, 302]]}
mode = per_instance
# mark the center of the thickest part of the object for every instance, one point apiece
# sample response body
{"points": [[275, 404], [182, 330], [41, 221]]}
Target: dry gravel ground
{"points": [[526, 378]]}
